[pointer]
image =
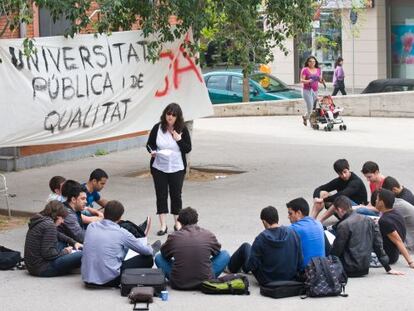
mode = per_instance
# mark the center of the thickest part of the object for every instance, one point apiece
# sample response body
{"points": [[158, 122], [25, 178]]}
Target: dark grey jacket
{"points": [[41, 244], [356, 237], [73, 226]]}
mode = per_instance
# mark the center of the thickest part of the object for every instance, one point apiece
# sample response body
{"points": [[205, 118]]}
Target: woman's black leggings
{"points": [[164, 182]]}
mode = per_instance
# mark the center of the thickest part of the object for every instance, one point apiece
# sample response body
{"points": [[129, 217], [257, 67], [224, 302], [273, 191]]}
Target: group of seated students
{"points": [[65, 236]]}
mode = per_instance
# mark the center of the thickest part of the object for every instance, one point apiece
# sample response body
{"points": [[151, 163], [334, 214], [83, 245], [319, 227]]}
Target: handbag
{"points": [[141, 294]]}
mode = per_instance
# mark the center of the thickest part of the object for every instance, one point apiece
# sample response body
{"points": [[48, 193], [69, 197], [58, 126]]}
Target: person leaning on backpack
{"points": [[45, 253], [356, 237]]}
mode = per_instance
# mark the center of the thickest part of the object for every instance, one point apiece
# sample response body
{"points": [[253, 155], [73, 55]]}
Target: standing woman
{"points": [[168, 143], [339, 77], [310, 77]]}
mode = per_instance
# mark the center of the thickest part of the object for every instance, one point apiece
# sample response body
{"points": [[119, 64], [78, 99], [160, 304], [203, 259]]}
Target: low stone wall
{"points": [[398, 104]]}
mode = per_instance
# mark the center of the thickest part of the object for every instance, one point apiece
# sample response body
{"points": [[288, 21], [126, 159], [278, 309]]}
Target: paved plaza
{"points": [[281, 159]]}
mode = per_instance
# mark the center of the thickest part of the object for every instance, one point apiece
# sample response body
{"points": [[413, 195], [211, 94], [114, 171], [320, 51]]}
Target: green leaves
{"points": [[246, 31]]}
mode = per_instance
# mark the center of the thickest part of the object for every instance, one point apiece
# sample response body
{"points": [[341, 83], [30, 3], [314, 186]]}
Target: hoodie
{"points": [[41, 244], [276, 255]]}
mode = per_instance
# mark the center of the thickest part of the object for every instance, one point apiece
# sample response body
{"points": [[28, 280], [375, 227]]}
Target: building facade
{"points": [[379, 45]]}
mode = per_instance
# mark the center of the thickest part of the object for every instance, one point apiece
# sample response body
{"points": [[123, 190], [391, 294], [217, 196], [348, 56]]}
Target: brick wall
{"points": [[8, 34]]}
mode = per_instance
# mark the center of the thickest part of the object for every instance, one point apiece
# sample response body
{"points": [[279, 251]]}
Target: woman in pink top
{"points": [[310, 77]]}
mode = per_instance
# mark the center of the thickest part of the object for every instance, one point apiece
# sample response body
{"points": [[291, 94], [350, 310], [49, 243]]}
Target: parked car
{"points": [[389, 85], [227, 87]]}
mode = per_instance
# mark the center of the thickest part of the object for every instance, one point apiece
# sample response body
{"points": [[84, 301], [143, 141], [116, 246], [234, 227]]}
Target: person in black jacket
{"points": [[45, 253], [347, 184], [356, 236], [276, 253], [169, 142]]}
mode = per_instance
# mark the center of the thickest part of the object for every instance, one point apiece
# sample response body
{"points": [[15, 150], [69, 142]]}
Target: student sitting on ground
{"points": [[310, 230], [73, 226], [347, 183], [55, 185], [356, 237], [192, 254], [71, 187], [105, 247], [97, 181], [44, 253], [390, 183], [276, 253], [373, 175], [392, 226]]}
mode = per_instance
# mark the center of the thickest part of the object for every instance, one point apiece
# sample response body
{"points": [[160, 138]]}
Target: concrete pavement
{"points": [[282, 160]]}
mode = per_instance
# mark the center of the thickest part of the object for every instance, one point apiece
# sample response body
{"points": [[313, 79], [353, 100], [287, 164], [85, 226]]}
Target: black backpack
{"points": [[325, 276], [10, 259], [133, 228]]}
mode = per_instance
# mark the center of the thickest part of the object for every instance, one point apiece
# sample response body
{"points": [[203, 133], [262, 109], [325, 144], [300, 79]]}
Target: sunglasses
{"points": [[171, 114]]}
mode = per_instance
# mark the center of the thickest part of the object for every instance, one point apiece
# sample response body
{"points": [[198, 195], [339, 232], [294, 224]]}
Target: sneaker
{"points": [[156, 246], [374, 263], [146, 226], [305, 122], [226, 270]]}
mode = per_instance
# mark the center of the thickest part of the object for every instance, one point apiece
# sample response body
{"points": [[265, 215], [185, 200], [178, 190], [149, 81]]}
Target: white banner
{"points": [[92, 87], [347, 4]]}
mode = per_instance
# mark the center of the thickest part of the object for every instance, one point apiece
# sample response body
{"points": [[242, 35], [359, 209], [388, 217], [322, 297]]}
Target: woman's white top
{"points": [[168, 157]]}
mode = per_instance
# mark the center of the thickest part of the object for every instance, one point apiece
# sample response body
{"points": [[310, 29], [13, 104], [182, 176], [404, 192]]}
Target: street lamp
{"points": [[353, 16]]}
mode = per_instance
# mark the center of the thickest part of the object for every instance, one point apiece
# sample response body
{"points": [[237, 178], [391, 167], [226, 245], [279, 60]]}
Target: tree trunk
{"points": [[246, 89]]}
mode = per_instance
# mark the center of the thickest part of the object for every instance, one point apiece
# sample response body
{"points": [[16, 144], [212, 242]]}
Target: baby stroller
{"points": [[326, 114]]}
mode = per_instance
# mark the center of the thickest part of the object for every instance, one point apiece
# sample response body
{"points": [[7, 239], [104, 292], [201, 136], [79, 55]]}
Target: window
{"points": [[269, 83], [398, 88], [217, 82], [236, 84], [48, 28]]}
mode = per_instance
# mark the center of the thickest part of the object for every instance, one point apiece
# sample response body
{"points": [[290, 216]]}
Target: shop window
{"points": [[324, 42], [402, 39]]}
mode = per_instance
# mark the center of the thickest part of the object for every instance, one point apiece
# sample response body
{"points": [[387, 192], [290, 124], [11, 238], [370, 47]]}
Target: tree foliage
{"points": [[246, 29]]}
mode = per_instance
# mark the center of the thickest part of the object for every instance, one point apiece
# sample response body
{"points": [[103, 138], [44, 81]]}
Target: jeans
{"points": [[63, 265], [309, 96], [239, 260], [366, 211], [139, 261], [340, 86], [219, 263]]}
